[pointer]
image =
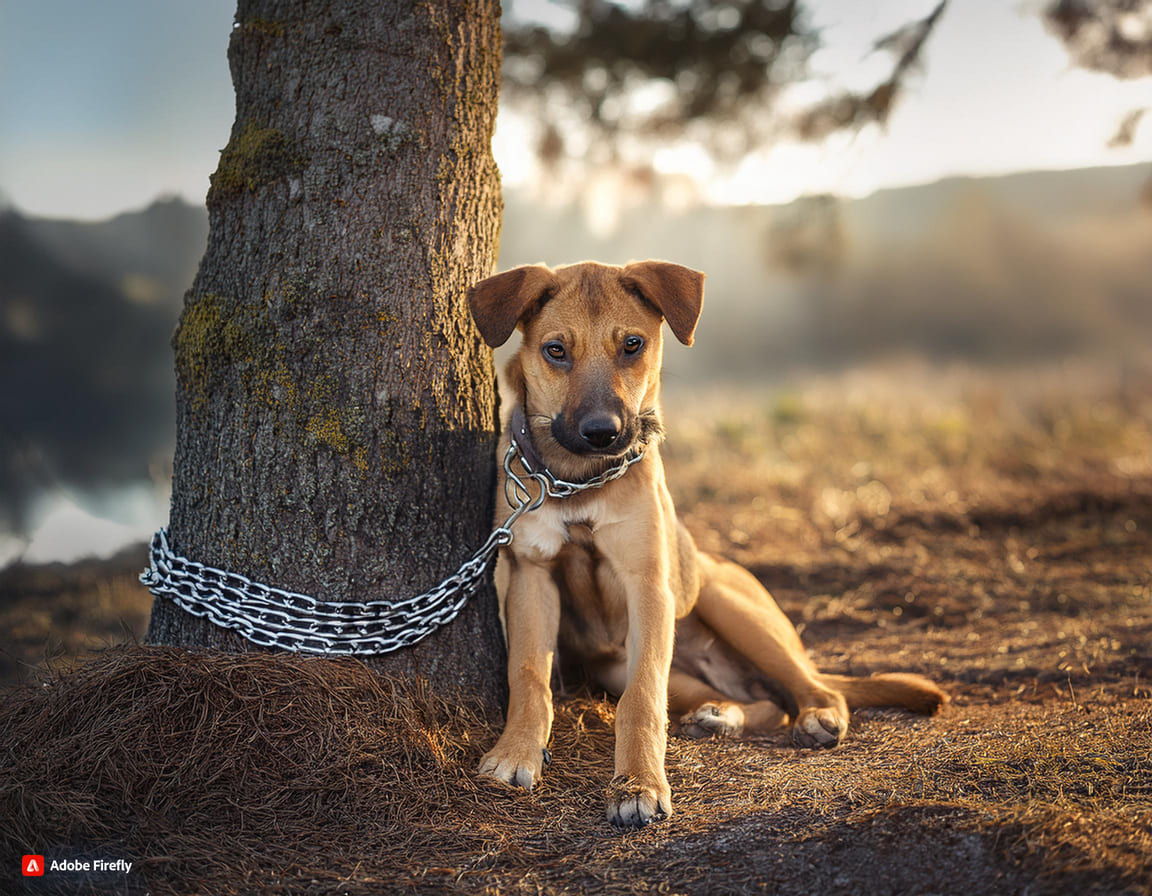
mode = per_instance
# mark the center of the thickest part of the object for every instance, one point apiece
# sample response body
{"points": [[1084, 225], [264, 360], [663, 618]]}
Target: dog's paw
{"points": [[820, 726], [520, 767], [632, 803], [708, 719]]}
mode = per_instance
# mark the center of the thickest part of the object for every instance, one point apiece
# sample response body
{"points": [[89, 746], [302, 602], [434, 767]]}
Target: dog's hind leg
{"points": [[741, 612], [703, 711]]}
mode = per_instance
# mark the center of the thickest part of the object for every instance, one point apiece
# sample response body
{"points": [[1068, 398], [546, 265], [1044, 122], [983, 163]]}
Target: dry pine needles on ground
{"points": [[270, 773]]}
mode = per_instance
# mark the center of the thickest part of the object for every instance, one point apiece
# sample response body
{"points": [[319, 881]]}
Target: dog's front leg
{"points": [[639, 792], [532, 618]]}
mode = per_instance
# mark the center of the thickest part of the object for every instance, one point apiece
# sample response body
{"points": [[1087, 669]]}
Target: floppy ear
{"points": [[498, 303], [676, 291]]}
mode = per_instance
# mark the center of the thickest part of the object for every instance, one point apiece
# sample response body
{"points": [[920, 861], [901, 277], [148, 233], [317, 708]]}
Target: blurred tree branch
{"points": [[1111, 36], [628, 78], [849, 110], [1126, 132]]}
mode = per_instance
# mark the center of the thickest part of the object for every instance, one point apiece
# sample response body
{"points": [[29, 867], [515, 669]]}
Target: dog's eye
{"points": [[555, 351], [632, 345]]}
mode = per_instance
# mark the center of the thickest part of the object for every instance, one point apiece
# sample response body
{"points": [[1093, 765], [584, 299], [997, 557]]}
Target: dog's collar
{"points": [[559, 488], [523, 439]]}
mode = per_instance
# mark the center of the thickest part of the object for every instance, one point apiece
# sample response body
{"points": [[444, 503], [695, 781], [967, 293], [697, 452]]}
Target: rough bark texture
{"points": [[336, 407]]}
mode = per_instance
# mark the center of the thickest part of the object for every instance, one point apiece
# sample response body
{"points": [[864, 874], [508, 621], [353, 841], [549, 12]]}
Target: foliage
{"points": [[631, 77], [1112, 36]]}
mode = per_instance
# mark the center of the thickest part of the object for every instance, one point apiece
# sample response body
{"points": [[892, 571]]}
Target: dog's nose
{"points": [[600, 432]]}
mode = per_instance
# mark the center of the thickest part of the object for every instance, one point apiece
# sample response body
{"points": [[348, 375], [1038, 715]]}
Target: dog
{"points": [[608, 577]]}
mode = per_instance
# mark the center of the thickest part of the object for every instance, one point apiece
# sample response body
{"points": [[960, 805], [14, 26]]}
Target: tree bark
{"points": [[336, 408]]}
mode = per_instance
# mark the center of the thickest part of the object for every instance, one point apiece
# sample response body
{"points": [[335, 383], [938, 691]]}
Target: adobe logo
{"points": [[32, 866]]}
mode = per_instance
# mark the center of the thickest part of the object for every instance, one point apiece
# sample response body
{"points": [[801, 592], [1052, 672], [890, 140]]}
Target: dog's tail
{"points": [[904, 690]]}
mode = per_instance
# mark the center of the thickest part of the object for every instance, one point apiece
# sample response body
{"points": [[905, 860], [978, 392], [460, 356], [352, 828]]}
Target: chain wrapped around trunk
{"points": [[288, 620]]}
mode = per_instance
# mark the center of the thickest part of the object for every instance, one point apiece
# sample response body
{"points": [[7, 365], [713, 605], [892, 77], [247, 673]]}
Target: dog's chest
{"points": [[593, 607], [543, 534], [593, 604]]}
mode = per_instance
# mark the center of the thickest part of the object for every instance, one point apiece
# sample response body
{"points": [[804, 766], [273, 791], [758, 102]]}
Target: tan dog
{"points": [[609, 575]]}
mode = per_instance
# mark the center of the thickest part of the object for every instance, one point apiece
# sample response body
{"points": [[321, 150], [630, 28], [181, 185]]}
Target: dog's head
{"points": [[588, 368]]}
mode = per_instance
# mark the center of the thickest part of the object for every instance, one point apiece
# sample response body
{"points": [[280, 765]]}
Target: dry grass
{"points": [[288, 774], [991, 532], [56, 614]]}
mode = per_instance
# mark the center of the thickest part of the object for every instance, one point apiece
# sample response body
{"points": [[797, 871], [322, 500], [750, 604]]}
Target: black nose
{"points": [[600, 432]]}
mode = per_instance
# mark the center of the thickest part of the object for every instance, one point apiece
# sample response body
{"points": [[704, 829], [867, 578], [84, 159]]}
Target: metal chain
{"points": [[273, 617]]}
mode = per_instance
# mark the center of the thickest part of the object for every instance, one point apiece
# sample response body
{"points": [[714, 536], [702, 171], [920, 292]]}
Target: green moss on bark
{"points": [[196, 347], [265, 27], [254, 157], [224, 346]]}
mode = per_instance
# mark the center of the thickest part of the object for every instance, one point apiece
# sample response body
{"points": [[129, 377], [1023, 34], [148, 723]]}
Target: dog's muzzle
{"points": [[599, 434]]}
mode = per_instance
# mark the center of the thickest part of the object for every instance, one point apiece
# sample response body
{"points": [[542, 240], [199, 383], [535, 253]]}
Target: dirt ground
{"points": [[991, 530]]}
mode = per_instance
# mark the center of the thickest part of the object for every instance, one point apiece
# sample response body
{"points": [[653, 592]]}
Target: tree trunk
{"points": [[336, 408]]}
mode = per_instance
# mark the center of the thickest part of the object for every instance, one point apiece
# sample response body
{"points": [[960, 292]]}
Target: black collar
{"points": [[518, 425]]}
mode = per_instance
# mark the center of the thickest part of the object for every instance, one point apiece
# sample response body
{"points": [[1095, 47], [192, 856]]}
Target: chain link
{"points": [[288, 620]]}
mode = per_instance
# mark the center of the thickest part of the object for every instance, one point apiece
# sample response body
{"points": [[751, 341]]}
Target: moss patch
{"points": [[327, 429], [234, 350], [195, 343], [254, 157], [264, 26]]}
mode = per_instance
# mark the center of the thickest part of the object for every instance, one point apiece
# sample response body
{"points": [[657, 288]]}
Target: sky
{"points": [[106, 106]]}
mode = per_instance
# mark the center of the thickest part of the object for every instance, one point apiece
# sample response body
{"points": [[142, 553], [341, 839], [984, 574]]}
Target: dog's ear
{"points": [[498, 303], [676, 291]]}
